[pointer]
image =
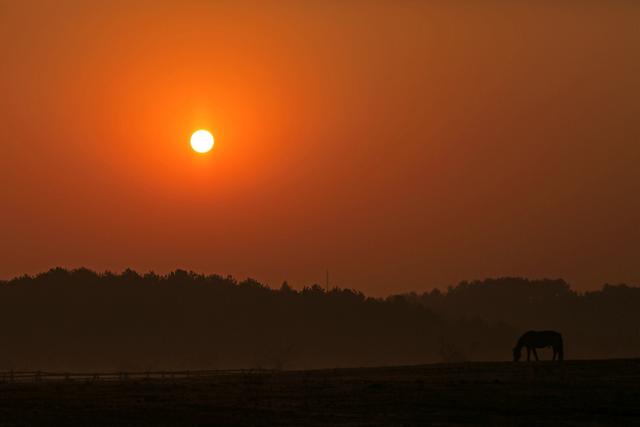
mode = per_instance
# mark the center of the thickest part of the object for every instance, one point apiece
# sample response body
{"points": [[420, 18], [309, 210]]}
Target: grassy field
{"points": [[591, 393]]}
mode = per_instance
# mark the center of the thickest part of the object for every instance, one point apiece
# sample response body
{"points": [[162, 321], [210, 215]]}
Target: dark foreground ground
{"points": [[574, 393]]}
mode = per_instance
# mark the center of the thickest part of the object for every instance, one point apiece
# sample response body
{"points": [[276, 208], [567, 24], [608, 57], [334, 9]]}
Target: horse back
{"points": [[542, 339]]}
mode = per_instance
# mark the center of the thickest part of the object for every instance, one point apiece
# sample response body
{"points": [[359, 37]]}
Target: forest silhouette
{"points": [[81, 320]]}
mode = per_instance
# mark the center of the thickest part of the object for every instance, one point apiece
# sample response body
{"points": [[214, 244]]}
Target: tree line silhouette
{"points": [[81, 320], [599, 324]]}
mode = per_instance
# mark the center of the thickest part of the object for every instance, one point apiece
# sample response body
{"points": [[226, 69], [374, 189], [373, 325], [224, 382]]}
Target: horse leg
{"points": [[535, 354], [528, 354], [554, 354]]}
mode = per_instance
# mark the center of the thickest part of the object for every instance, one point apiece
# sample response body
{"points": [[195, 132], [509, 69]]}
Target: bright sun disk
{"points": [[202, 141]]}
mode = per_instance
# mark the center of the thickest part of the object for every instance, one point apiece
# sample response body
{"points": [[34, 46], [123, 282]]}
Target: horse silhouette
{"points": [[539, 339]]}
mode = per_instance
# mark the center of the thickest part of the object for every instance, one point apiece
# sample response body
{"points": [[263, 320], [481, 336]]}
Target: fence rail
{"points": [[40, 376]]}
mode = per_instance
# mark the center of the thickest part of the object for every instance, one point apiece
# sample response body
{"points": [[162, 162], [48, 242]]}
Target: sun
{"points": [[202, 141]]}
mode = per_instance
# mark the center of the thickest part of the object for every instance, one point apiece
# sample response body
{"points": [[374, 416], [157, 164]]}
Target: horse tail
{"points": [[560, 348]]}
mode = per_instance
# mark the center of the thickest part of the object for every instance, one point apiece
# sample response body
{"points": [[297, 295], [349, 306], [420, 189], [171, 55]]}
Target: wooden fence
{"points": [[41, 376]]}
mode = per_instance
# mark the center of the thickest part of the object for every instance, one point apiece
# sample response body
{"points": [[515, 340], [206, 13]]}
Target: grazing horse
{"points": [[539, 339]]}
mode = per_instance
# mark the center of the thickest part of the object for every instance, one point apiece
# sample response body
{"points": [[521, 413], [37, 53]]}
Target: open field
{"points": [[602, 392]]}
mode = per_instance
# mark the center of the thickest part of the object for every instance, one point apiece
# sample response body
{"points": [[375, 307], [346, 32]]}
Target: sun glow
{"points": [[202, 141]]}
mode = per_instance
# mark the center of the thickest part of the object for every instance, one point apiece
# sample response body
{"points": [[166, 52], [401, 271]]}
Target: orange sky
{"points": [[402, 144]]}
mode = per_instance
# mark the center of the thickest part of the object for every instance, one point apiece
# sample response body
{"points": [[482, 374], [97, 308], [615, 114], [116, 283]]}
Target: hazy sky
{"points": [[402, 144]]}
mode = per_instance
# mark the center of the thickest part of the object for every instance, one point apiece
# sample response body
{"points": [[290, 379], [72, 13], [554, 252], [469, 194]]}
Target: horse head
{"points": [[516, 354]]}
